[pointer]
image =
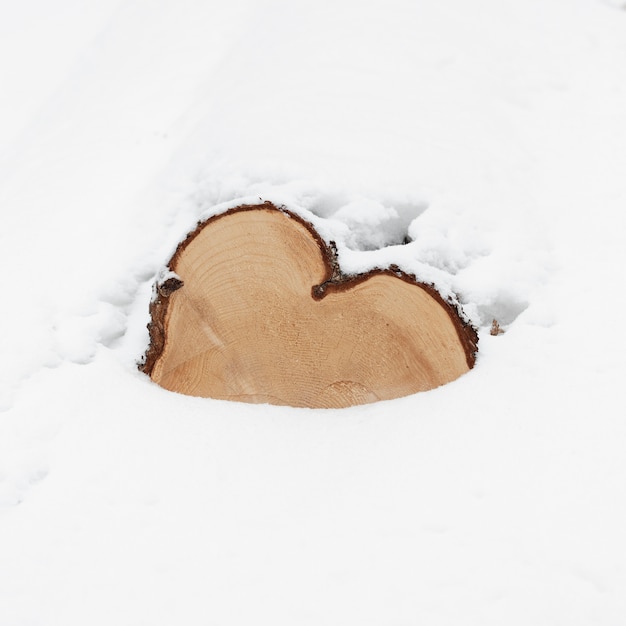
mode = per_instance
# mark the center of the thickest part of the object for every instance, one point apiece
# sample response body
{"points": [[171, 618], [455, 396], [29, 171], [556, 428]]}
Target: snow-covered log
{"points": [[256, 309]]}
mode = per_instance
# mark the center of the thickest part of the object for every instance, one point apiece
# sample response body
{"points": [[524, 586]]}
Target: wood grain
{"points": [[263, 316]]}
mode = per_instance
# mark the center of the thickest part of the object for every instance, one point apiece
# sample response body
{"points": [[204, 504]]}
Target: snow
{"points": [[490, 135]]}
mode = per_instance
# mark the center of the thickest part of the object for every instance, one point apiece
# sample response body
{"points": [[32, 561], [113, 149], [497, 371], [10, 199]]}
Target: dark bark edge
{"points": [[334, 281]]}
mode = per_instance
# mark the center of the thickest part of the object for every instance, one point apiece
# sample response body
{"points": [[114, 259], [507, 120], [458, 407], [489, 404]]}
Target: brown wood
{"points": [[264, 314]]}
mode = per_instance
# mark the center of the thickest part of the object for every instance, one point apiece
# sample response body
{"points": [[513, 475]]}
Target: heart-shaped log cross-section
{"points": [[260, 312]]}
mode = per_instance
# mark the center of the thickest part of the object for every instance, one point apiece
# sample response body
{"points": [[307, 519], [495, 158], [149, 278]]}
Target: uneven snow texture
{"points": [[480, 145]]}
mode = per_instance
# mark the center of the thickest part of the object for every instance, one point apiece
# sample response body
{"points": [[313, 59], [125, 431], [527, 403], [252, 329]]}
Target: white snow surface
{"points": [[491, 135]]}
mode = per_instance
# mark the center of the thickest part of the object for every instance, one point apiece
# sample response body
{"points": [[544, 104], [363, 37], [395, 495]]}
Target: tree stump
{"points": [[257, 310]]}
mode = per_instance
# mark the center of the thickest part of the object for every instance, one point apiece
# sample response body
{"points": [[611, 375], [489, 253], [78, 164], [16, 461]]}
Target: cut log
{"points": [[257, 310]]}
